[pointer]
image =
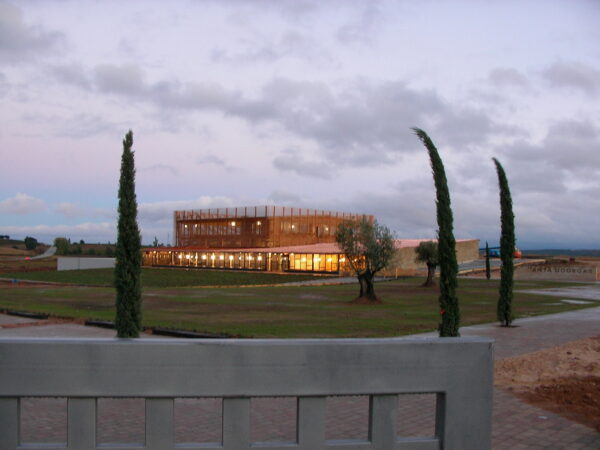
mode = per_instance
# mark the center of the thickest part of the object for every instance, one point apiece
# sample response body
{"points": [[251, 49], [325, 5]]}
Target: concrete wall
{"points": [[458, 370], [557, 272], [404, 261], [77, 263]]}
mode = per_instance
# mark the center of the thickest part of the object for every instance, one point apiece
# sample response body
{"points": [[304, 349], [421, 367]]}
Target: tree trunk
{"points": [[363, 285], [367, 288], [430, 275]]}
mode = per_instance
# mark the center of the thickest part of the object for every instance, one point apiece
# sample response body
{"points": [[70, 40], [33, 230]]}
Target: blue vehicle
{"points": [[495, 252]]}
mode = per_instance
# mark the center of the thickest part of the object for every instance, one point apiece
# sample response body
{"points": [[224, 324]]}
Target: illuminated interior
{"points": [[245, 260]]}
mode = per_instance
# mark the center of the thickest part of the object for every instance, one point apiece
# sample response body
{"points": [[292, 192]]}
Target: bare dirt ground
{"points": [[564, 379]]}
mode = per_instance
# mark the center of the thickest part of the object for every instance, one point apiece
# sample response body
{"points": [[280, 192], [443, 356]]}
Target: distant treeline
{"points": [[562, 252], [64, 246]]}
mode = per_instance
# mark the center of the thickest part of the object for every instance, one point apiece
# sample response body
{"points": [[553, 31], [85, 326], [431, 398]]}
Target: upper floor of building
{"points": [[257, 226]]}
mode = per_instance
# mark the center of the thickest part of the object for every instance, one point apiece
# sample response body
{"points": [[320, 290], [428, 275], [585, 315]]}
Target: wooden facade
{"points": [[257, 227], [272, 238]]}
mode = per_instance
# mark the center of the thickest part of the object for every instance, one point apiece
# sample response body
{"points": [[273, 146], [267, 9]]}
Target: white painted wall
{"points": [[77, 263]]}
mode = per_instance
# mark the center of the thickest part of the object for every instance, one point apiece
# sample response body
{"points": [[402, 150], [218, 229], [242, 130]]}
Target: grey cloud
{"points": [[357, 123], [574, 75], [126, 79], [574, 145], [540, 219], [72, 74], [362, 124], [282, 197], [508, 77], [362, 29], [570, 146], [530, 169], [410, 215], [211, 159], [129, 81], [86, 125], [4, 86], [291, 11], [161, 168], [77, 126], [291, 44], [162, 212], [291, 160], [215, 161], [464, 127], [19, 40], [71, 210], [22, 204]]}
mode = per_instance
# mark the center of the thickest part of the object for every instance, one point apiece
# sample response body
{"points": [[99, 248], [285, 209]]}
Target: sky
{"points": [[301, 103]]}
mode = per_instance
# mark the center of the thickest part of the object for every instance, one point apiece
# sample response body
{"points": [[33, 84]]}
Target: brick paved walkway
{"points": [[516, 425]]}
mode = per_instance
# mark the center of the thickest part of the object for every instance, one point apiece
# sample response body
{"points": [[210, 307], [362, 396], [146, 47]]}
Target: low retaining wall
{"points": [[404, 261], [458, 370], [77, 263], [557, 272]]}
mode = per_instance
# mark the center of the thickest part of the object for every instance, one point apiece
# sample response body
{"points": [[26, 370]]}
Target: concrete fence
{"points": [[83, 263], [458, 370]]}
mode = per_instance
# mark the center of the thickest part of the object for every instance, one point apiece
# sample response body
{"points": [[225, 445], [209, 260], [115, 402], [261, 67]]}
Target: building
{"points": [[271, 238]]}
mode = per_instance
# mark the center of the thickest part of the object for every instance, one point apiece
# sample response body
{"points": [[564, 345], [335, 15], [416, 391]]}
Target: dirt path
{"points": [[563, 379]]}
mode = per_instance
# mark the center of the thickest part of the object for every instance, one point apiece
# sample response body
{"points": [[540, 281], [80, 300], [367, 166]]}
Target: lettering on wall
{"points": [[557, 272]]}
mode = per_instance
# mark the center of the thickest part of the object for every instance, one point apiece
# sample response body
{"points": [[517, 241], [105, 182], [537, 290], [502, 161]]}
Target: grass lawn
{"points": [[162, 277], [289, 311], [20, 264]]}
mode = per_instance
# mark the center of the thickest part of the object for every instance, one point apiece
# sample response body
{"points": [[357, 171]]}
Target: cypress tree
{"points": [[488, 274], [507, 248], [449, 309], [128, 254]]}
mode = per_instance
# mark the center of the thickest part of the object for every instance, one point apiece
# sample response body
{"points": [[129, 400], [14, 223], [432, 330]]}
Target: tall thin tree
{"points": [[449, 308], [507, 249], [128, 319], [488, 273]]}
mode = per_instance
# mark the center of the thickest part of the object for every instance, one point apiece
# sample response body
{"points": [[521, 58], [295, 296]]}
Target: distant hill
{"points": [[10, 242], [562, 252]]}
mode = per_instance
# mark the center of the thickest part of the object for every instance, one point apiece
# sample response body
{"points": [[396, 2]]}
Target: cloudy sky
{"points": [[301, 103]]}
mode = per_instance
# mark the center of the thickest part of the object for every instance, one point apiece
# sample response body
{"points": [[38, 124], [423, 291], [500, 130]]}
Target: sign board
{"points": [[557, 272]]}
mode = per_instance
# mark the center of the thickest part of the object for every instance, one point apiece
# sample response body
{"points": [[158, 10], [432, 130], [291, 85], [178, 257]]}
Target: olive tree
{"points": [[368, 248], [427, 252]]}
